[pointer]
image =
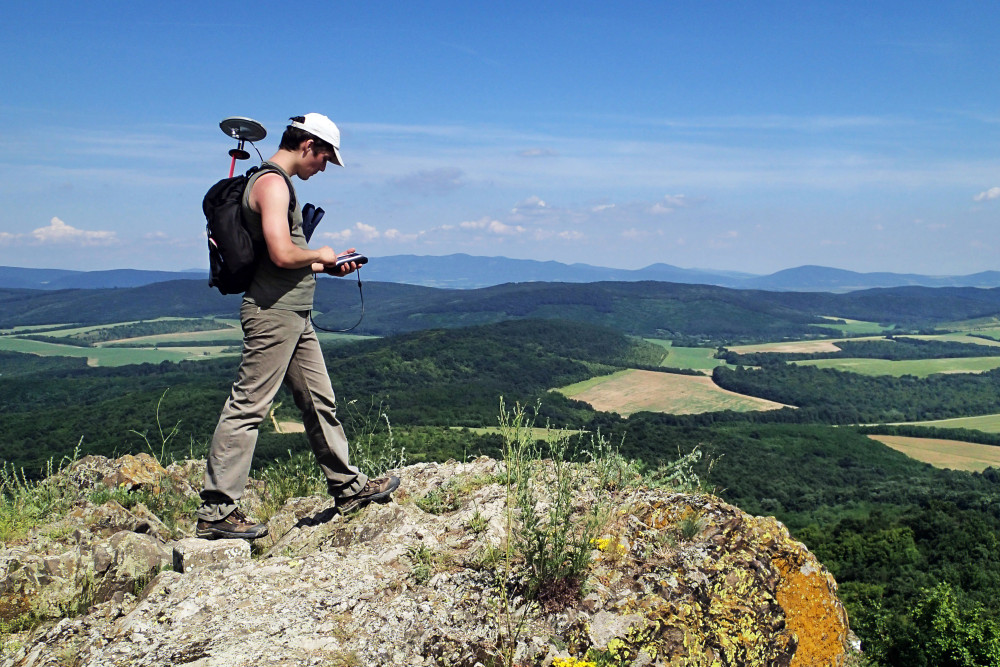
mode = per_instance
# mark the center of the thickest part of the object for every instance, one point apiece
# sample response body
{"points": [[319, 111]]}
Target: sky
{"points": [[733, 136]]}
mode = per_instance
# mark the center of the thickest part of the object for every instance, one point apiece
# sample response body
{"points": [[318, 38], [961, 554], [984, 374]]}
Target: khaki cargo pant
{"points": [[278, 345]]}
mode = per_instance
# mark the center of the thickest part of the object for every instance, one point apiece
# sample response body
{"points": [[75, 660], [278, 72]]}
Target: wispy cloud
{"points": [[986, 195], [539, 152], [492, 226], [430, 181], [669, 204], [364, 232], [59, 232]]}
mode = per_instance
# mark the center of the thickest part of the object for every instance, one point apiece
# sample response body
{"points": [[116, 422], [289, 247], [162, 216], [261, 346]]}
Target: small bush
{"points": [[439, 501], [551, 539]]}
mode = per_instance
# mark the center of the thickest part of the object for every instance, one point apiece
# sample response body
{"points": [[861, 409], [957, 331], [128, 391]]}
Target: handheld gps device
{"points": [[355, 257]]}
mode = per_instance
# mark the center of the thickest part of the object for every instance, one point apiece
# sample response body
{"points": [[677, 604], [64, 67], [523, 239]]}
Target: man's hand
{"points": [[343, 269]]}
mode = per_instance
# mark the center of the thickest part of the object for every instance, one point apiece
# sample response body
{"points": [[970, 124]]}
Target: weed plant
{"points": [[25, 503], [548, 538], [692, 525], [296, 477], [167, 502], [680, 475], [373, 449], [552, 540], [440, 501], [161, 455], [424, 562], [613, 470]]}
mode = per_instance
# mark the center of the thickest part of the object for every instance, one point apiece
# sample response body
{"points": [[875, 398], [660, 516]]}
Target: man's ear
{"points": [[306, 146]]}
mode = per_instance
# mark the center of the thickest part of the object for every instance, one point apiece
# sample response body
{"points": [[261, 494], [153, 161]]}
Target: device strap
{"points": [[351, 328]]}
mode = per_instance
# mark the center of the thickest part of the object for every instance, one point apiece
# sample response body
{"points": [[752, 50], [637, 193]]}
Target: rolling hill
{"points": [[657, 309], [460, 271]]}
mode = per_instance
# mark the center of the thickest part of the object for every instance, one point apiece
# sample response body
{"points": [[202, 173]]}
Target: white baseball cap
{"points": [[322, 127]]}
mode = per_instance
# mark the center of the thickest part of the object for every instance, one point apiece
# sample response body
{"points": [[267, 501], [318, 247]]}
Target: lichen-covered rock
{"points": [[674, 580], [129, 471]]}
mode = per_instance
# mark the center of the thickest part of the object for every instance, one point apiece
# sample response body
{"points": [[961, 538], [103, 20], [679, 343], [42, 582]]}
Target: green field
{"points": [[915, 367], [106, 356], [693, 358], [985, 423], [853, 327], [146, 351], [965, 337]]}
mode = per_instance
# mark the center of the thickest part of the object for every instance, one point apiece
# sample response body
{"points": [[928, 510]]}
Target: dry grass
{"points": [[953, 454], [631, 391]]}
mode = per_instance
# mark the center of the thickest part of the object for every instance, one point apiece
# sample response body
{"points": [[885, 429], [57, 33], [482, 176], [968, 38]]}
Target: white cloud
{"points": [[992, 193], [491, 225], [342, 236], [7, 238], [366, 232], [497, 227], [669, 204], [396, 235], [360, 231], [533, 203], [59, 232]]}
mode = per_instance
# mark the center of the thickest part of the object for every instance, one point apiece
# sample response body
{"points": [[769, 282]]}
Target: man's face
{"points": [[315, 162]]}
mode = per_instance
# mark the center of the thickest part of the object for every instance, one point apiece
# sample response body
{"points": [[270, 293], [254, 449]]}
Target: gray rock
{"points": [[394, 584], [193, 552]]}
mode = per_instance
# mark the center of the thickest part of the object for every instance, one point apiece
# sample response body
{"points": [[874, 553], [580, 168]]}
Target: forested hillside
{"points": [[441, 377], [668, 310], [910, 544], [837, 397]]}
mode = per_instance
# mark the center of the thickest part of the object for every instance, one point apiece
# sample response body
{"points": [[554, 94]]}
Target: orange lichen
{"points": [[807, 595]]}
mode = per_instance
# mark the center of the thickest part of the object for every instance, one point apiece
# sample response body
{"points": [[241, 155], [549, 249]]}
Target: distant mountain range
{"points": [[468, 272]]}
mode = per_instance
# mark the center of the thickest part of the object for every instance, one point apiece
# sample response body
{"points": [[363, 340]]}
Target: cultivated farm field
{"points": [[952, 454], [915, 367], [693, 358], [630, 391], [984, 423]]}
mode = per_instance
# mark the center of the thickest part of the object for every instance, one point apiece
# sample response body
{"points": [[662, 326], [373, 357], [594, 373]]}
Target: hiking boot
{"points": [[375, 491], [235, 526]]}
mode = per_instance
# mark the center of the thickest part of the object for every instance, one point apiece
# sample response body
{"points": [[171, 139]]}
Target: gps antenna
{"points": [[243, 130]]}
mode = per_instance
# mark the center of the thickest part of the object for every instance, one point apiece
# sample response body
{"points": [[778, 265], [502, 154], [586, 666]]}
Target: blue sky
{"points": [[725, 135]]}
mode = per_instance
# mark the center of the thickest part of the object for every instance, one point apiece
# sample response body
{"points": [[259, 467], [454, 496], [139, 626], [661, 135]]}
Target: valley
{"points": [[866, 422]]}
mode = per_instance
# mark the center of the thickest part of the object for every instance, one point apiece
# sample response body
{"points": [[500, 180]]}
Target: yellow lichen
{"points": [[572, 662]]}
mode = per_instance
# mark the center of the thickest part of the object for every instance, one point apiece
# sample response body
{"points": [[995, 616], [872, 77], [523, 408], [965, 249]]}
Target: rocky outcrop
{"points": [[675, 579]]}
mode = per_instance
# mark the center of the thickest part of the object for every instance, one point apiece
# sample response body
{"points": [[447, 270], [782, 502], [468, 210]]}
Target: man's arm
{"points": [[270, 197]]}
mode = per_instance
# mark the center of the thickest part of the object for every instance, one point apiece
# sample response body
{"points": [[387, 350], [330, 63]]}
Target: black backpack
{"points": [[233, 254]]}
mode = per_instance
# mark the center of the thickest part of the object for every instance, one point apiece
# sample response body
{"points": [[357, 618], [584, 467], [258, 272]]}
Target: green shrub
{"points": [[552, 543]]}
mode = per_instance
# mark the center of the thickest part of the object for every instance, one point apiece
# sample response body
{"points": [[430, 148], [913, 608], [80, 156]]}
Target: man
{"points": [[279, 343]]}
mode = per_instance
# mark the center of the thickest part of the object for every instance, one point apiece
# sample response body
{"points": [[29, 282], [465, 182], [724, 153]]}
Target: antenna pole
{"points": [[243, 130]]}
